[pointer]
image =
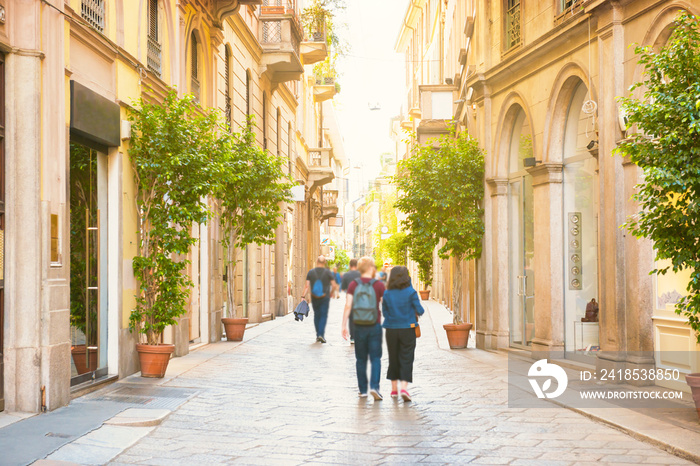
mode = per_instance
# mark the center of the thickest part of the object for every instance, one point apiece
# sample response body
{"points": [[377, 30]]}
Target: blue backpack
{"points": [[317, 287]]}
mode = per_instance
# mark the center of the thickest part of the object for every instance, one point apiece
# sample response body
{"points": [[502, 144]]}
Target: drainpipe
{"points": [[414, 4]]}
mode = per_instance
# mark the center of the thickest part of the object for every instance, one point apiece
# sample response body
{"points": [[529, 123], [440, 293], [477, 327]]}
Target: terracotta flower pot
{"points": [[82, 363], [154, 359], [457, 334], [424, 294], [235, 328], [693, 380]]}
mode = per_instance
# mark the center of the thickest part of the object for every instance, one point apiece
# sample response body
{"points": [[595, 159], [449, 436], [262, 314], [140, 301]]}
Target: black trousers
{"points": [[401, 344]]}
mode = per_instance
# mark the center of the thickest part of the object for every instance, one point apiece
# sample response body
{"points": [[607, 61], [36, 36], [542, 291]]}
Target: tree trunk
{"points": [[457, 293]]}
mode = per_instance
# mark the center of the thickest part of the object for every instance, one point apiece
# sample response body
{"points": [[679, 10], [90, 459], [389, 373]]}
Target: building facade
{"points": [[536, 83], [69, 74]]}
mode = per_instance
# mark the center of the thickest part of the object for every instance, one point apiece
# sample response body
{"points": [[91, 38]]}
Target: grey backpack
{"points": [[364, 303]]}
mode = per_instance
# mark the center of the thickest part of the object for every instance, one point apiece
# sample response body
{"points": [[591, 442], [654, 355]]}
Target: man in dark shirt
{"points": [[368, 338], [320, 303], [349, 277]]}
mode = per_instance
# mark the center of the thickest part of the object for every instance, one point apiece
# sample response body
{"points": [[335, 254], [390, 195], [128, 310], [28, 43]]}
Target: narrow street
{"points": [[281, 398]]}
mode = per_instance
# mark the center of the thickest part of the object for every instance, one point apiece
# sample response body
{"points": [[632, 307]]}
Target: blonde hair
{"points": [[365, 264]]}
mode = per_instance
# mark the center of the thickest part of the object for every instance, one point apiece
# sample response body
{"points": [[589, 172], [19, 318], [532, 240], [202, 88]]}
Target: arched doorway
{"points": [[580, 220], [521, 230]]}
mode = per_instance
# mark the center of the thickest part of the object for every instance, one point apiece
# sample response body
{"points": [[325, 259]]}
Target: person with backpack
{"points": [[362, 302], [321, 282], [401, 308], [349, 277]]}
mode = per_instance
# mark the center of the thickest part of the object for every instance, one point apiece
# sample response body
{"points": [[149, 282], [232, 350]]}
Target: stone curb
{"points": [[137, 417]]}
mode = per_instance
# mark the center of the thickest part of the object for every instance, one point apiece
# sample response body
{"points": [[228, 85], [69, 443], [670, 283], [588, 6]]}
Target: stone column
{"points": [[493, 331], [612, 271], [23, 234], [548, 260]]}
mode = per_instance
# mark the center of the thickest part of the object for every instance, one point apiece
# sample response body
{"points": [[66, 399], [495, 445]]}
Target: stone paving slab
{"points": [[280, 398]]}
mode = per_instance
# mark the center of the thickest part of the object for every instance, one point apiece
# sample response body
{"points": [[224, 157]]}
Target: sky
{"points": [[370, 73]]}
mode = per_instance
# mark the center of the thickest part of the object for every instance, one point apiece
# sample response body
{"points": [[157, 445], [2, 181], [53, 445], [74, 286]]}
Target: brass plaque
{"points": [[54, 238]]}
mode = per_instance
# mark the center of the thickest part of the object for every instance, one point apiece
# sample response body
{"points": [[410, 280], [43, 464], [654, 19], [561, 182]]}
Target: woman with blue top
{"points": [[401, 308]]}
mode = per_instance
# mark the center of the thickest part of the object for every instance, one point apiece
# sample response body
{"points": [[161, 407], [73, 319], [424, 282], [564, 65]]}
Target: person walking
{"points": [[362, 300], [401, 308], [349, 277], [336, 274], [321, 282]]}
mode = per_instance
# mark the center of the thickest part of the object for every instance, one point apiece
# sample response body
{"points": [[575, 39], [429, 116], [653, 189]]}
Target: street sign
{"points": [[386, 235], [335, 222]]}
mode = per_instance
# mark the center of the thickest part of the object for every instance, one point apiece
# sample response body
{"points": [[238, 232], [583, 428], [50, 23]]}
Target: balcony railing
{"points": [[513, 24], [153, 56], [280, 37], [330, 198]]}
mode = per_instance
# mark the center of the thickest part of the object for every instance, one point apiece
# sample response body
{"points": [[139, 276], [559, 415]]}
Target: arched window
{"points": [[153, 55], [521, 232], [194, 67], [227, 86], [580, 223]]}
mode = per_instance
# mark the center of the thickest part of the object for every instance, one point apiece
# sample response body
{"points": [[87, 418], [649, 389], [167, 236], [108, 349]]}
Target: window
{"points": [[566, 4], [279, 131], [247, 93], [512, 24], [153, 59], [227, 86], [93, 11], [264, 120], [194, 69]]}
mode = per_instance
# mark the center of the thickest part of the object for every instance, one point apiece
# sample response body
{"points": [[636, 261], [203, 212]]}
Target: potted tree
{"points": [[442, 186], [250, 190], [421, 251], [173, 148], [664, 123]]}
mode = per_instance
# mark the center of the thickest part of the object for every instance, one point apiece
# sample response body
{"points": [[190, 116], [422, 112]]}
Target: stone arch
{"points": [[513, 103], [195, 27], [659, 32], [563, 88]]}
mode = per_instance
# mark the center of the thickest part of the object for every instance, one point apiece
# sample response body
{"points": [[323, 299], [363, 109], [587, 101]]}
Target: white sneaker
{"points": [[376, 395]]}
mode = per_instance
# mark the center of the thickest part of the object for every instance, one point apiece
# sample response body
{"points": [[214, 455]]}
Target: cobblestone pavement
{"points": [[281, 398]]}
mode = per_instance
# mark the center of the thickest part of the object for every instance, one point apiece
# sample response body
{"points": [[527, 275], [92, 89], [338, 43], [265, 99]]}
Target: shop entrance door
{"points": [[88, 309], [522, 273]]}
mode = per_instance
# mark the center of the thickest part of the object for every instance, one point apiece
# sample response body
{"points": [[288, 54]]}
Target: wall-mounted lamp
{"points": [[593, 148], [530, 162], [448, 81]]}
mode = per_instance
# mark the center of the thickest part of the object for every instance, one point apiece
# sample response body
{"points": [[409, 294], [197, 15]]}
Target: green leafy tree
{"points": [[397, 248], [666, 146], [342, 259], [173, 148], [250, 188], [441, 187]]}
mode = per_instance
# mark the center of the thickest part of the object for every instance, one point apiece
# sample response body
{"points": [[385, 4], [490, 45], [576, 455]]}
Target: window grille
{"points": [[153, 52], [272, 32], [513, 24], [227, 90], [93, 11], [153, 19], [194, 72]]}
